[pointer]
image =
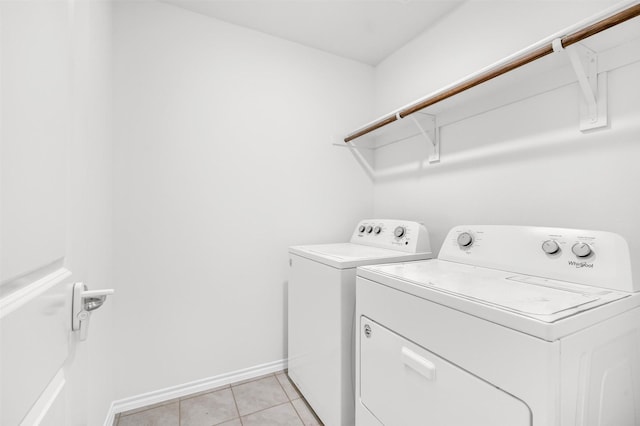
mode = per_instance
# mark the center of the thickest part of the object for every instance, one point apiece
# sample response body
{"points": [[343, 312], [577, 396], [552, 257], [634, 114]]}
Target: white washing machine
{"points": [[509, 326], [322, 309]]}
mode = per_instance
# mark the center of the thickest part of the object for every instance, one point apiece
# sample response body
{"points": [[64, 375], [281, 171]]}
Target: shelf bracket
{"points": [[361, 159], [593, 104], [431, 134]]}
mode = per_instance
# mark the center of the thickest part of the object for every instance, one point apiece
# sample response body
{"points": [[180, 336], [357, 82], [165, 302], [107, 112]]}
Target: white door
{"points": [[45, 244]]}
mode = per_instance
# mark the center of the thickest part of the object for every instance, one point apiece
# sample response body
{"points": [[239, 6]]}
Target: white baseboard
{"points": [[161, 395], [111, 415]]}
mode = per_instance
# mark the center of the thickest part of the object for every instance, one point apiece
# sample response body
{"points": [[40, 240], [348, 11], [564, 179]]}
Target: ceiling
{"points": [[363, 30]]}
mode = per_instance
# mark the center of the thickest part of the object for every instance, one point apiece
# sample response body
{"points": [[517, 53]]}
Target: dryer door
{"points": [[402, 383]]}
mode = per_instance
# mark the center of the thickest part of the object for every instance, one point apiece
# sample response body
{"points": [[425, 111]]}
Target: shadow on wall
{"points": [[410, 160], [285, 319]]}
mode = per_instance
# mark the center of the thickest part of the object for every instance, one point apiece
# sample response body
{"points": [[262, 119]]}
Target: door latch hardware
{"points": [[83, 303]]}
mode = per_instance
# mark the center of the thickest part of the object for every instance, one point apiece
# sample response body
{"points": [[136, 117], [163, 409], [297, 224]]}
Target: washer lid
{"points": [[535, 297], [349, 255]]}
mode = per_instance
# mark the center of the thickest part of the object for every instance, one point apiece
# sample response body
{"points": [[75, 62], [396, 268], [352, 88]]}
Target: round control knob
{"points": [[369, 229], [465, 239], [550, 247], [377, 230], [581, 249], [361, 229], [399, 231]]}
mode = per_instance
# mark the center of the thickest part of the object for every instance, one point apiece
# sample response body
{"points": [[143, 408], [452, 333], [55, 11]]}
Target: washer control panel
{"points": [[596, 258], [403, 235]]}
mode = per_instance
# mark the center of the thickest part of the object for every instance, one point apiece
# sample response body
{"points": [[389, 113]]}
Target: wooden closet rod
{"points": [[575, 37]]}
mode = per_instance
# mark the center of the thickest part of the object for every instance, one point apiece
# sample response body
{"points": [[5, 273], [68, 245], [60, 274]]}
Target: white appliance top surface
{"points": [[537, 298], [349, 251], [350, 255]]}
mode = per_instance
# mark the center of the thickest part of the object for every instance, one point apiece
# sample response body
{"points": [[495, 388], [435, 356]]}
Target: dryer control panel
{"points": [[402, 235], [594, 258]]}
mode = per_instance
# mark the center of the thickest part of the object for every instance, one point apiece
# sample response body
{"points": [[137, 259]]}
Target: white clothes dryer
{"points": [[509, 326], [321, 299]]}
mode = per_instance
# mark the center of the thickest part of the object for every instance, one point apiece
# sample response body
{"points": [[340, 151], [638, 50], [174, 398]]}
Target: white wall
{"points": [[223, 159], [526, 163]]}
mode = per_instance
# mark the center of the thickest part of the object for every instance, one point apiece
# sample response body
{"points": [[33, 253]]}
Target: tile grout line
{"points": [[268, 408], [296, 410], [233, 395], [255, 380], [282, 387], [289, 398], [305, 403]]}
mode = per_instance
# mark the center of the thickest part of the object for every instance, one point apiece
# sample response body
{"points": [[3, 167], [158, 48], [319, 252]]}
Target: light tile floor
{"points": [[263, 401]]}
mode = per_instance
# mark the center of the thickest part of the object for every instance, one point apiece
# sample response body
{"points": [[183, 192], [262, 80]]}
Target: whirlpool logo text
{"points": [[580, 264]]}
